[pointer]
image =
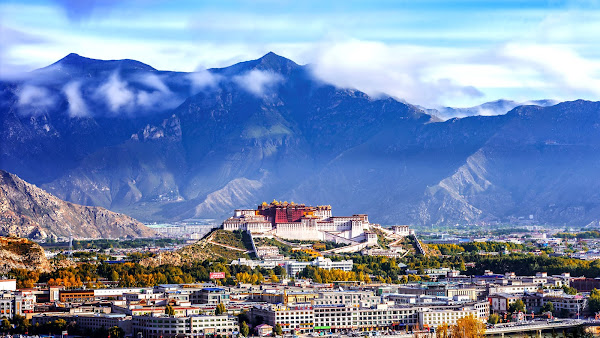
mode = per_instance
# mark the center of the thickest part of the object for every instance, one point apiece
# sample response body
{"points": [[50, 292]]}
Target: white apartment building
{"points": [[166, 326], [437, 315], [300, 317], [293, 267], [350, 298], [436, 318], [117, 292], [383, 316], [16, 303], [512, 288], [98, 321], [265, 251], [335, 317]]}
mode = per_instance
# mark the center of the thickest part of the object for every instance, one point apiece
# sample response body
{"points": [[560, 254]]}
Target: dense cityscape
{"points": [[398, 282]]}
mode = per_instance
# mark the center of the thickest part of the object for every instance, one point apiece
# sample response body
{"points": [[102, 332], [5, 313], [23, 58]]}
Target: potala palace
{"points": [[301, 222]]}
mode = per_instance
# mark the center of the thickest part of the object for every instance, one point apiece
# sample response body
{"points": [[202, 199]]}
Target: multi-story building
{"points": [[8, 284], [583, 284], [350, 298], [385, 316], [402, 230], [98, 321], [500, 302], [512, 287], [435, 318], [442, 289], [76, 296], [16, 303], [114, 293], [266, 251], [293, 267], [335, 317], [297, 317], [200, 325], [211, 295]]}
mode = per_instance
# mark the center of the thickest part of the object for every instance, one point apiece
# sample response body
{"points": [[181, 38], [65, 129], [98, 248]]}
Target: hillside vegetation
{"points": [[217, 244]]}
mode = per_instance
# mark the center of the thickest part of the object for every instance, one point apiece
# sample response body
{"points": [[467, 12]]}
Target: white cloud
{"points": [[558, 66], [153, 81], [397, 70], [150, 99], [519, 54], [116, 94], [202, 79], [34, 97], [77, 106], [258, 82]]}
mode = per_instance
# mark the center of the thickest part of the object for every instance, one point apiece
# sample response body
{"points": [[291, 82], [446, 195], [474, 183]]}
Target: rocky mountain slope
{"points": [[164, 145], [21, 253], [28, 211]]}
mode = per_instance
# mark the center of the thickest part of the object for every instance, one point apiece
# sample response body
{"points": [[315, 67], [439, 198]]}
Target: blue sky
{"points": [[432, 53]]}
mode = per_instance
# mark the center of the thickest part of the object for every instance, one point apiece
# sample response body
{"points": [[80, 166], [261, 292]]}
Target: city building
{"points": [[266, 251], [198, 325], [76, 296]]}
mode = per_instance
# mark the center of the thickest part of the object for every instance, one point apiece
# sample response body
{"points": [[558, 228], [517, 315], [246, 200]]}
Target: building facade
{"points": [[299, 221]]}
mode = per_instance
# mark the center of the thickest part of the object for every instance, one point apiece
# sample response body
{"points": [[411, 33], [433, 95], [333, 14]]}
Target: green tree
{"points": [[517, 306], [21, 323], [569, 290], [244, 329], [220, 309], [279, 270], [278, 330], [494, 318], [548, 307], [594, 301], [59, 325]]}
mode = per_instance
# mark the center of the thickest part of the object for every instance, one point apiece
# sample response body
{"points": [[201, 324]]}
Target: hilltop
{"points": [[217, 244], [21, 253]]}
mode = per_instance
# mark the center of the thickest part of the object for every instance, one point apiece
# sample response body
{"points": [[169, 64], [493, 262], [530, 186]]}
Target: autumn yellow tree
{"points": [[443, 331], [468, 327]]}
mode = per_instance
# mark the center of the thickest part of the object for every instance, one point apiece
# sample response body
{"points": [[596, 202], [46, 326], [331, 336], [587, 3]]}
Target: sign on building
{"points": [[217, 275]]}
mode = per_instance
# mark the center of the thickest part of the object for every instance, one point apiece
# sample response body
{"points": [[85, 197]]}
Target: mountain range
{"points": [[30, 212], [498, 107], [161, 145]]}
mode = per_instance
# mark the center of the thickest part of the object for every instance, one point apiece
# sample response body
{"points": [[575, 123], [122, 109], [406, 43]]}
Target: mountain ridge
{"points": [[30, 212], [266, 128]]}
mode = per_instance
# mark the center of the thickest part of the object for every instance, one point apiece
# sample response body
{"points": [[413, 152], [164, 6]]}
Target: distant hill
{"points": [[499, 107], [28, 211], [167, 146]]}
